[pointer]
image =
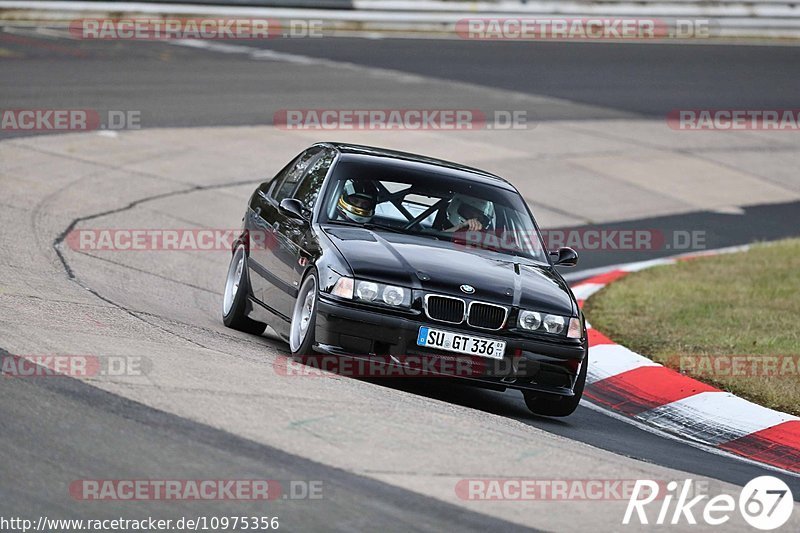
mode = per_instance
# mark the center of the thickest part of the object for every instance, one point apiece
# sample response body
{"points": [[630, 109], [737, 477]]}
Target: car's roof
{"points": [[357, 152]]}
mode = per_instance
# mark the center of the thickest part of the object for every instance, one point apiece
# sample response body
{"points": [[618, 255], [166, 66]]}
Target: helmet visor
{"points": [[357, 206], [467, 211]]}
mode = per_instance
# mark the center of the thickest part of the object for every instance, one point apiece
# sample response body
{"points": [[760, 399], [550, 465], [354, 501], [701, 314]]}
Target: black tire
{"points": [[549, 406], [301, 341], [236, 316]]}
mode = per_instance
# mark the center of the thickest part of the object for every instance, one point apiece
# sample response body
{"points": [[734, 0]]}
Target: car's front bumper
{"points": [[529, 364]]}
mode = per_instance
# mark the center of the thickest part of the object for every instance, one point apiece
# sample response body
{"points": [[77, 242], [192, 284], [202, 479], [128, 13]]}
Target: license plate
{"points": [[460, 343]]}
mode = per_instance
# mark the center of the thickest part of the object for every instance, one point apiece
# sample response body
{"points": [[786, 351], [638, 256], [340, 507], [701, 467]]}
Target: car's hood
{"points": [[441, 266]]}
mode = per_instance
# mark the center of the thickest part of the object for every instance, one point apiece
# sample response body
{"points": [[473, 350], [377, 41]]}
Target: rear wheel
{"points": [[304, 317], [234, 298], [549, 406]]}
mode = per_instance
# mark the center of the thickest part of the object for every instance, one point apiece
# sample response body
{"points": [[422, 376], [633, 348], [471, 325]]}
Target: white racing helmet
{"points": [[463, 208], [357, 202]]}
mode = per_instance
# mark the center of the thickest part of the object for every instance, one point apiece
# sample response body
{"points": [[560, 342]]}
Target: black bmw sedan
{"points": [[365, 253]]}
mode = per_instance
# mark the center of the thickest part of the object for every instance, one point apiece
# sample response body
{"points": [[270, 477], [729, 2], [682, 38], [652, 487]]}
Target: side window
{"points": [[309, 188], [289, 182]]}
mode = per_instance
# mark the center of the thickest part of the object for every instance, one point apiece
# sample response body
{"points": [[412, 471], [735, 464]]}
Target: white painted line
{"points": [[272, 55], [721, 251], [677, 438], [642, 265], [714, 417], [728, 210], [632, 267], [251, 51], [394, 75], [583, 290], [38, 32], [214, 46]]}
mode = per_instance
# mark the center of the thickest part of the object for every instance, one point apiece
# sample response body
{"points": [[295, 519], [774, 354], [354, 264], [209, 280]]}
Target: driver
{"points": [[467, 212], [357, 205]]}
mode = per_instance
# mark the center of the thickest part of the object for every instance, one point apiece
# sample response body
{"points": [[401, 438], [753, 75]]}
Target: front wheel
{"points": [[549, 406], [234, 298], [304, 317]]}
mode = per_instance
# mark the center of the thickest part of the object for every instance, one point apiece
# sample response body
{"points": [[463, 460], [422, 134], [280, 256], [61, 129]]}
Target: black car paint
{"points": [[424, 265], [498, 278]]}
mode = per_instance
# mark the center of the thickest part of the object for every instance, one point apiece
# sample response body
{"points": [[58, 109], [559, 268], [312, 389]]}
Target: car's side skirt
{"points": [[258, 310]]}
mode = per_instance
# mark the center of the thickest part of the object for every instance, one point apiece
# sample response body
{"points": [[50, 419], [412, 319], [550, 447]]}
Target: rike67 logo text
{"points": [[766, 503]]}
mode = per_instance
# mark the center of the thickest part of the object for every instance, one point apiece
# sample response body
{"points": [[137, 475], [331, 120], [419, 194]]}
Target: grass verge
{"points": [[730, 320]]}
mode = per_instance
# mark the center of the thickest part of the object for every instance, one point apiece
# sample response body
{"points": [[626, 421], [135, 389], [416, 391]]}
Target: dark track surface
{"points": [[646, 78], [757, 223], [176, 86]]}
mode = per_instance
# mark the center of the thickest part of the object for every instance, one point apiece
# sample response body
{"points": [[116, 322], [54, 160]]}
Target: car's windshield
{"points": [[433, 205]]}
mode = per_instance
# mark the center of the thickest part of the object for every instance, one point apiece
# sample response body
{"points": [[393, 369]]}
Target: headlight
{"points": [[372, 292], [394, 295], [366, 290], [555, 324], [530, 320], [382, 294]]}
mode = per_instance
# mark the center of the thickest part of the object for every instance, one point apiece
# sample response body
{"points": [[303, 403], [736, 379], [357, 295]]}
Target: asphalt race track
{"points": [[599, 80], [388, 453]]}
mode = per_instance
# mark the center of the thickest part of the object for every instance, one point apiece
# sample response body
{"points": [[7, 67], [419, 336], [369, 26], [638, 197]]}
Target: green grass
{"points": [[743, 304]]}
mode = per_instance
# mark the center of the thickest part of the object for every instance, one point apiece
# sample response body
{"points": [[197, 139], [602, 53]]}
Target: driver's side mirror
{"points": [[292, 208], [566, 257]]}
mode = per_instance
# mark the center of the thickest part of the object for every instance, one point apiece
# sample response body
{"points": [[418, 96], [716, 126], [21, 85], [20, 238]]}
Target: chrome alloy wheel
{"points": [[304, 309], [233, 280]]}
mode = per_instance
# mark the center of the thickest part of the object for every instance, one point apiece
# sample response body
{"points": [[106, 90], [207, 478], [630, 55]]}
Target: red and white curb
{"points": [[630, 384]]}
